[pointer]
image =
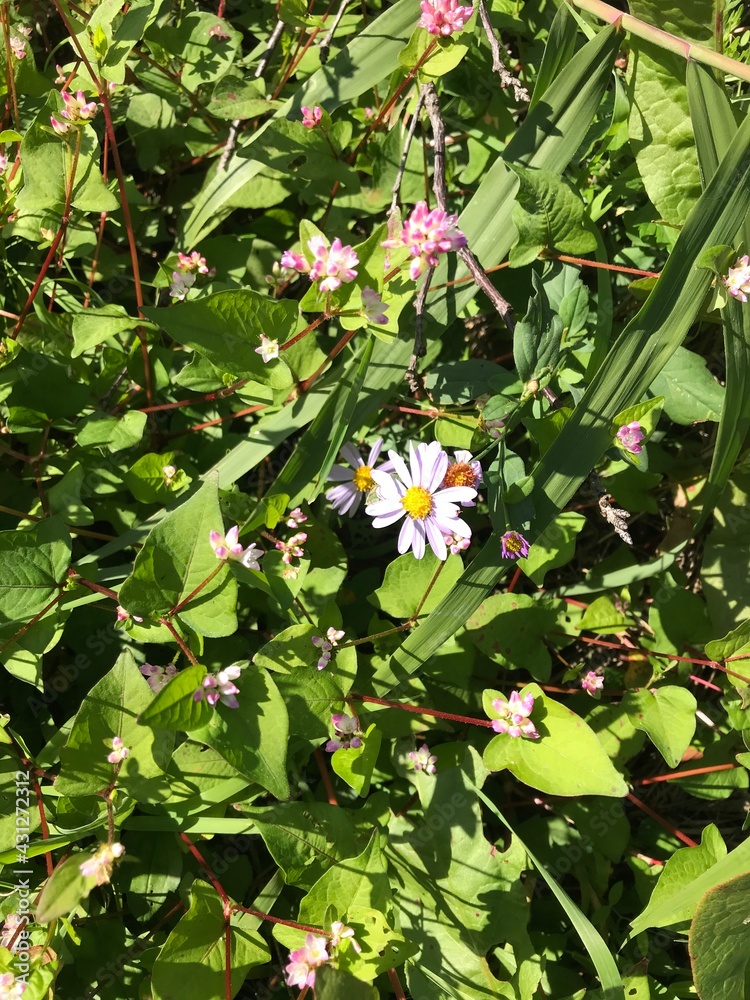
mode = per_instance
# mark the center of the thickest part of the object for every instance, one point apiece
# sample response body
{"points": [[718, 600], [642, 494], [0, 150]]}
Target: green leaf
{"points": [[235, 97], [64, 890], [537, 337], [567, 759], [356, 764], [148, 482], [406, 580], [690, 391], [736, 641], [554, 547], [336, 984], [175, 559], [602, 616], [111, 709], [720, 941], [191, 963], [681, 870], [95, 325], [509, 628], [33, 565], [358, 881], [561, 44], [253, 737], [667, 715], [549, 215], [174, 707], [226, 328]]}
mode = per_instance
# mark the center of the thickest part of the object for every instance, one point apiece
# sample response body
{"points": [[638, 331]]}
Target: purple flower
{"points": [[181, 284], [443, 17], [335, 265], [347, 733], [737, 279], [300, 970], [157, 676], [514, 716], [630, 437], [373, 306], [592, 683], [326, 645], [356, 481], [311, 116], [416, 494], [513, 545], [423, 760], [426, 234], [220, 687]]}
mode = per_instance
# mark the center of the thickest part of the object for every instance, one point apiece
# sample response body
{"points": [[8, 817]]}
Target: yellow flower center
{"points": [[513, 542], [417, 502], [459, 474], [362, 479]]}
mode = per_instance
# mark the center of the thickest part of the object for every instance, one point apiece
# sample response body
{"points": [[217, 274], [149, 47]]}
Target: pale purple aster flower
{"points": [[311, 116], [99, 865], [10, 987], [737, 279], [426, 234], [423, 760], [443, 17], [230, 547], [119, 751], [356, 481], [373, 306], [592, 683], [415, 493], [465, 470], [157, 676], [514, 716], [513, 545], [268, 350], [347, 733], [181, 284], [630, 437], [300, 970], [456, 543]]}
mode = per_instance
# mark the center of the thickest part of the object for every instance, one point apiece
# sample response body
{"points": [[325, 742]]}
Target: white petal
{"points": [[455, 494], [340, 474], [374, 452], [406, 535], [435, 538], [437, 471], [351, 454], [418, 541], [383, 520], [400, 466]]}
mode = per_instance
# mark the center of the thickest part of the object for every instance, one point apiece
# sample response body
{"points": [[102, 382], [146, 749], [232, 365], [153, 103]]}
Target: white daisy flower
{"points": [[356, 481]]}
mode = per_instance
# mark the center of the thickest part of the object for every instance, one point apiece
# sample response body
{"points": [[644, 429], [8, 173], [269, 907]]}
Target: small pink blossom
{"points": [[61, 75], [192, 262], [300, 970], [592, 683], [737, 279], [18, 46], [630, 437], [373, 306], [10, 987], [423, 760], [296, 518], [220, 687], [335, 265], [514, 716], [456, 543], [443, 17], [124, 616], [311, 116], [513, 545], [119, 751], [230, 547], [3, 162], [268, 350], [347, 734], [77, 109], [157, 676], [60, 127], [426, 234], [340, 932], [99, 865], [332, 637], [293, 548], [12, 926]]}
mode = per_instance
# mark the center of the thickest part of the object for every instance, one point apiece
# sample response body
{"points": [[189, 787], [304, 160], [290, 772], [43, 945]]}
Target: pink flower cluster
{"points": [[311, 116], [230, 547], [332, 267], [514, 716], [119, 751], [325, 645], [292, 549], [10, 987], [443, 17], [77, 110], [99, 865], [300, 970], [426, 234], [592, 683], [183, 279], [423, 760], [157, 676], [347, 734], [220, 687], [737, 279]]}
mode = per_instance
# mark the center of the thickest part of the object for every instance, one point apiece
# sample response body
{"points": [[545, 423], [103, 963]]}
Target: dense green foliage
{"points": [[514, 767]]}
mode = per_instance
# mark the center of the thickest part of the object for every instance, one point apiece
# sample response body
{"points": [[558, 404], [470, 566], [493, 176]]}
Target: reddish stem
{"points": [[42, 821], [327, 784], [514, 580], [418, 710], [236, 908], [663, 822], [178, 639], [207, 869], [675, 775], [25, 628], [621, 269], [193, 593], [396, 986]]}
